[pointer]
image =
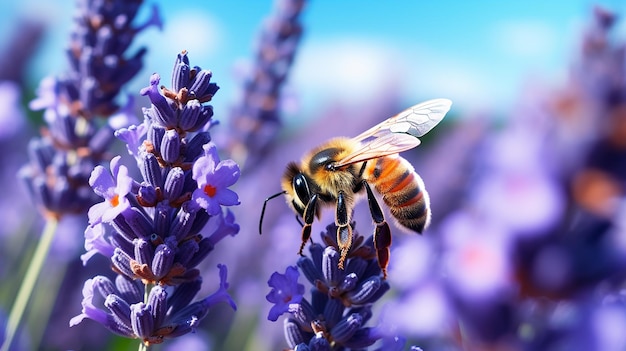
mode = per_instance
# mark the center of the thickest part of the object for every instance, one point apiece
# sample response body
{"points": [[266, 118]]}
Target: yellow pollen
{"points": [[210, 190]]}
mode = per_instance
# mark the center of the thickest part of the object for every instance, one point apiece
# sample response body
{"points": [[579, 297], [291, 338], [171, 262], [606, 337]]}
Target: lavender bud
{"points": [[123, 243], [357, 265], [189, 115], [104, 285], [203, 118], [151, 170], [143, 251], [157, 301], [330, 262], [346, 328], [170, 146], [333, 311], [293, 333], [349, 282], [319, 343], [303, 313], [366, 291], [119, 308], [155, 136], [147, 193], [141, 320], [161, 111], [163, 261], [162, 219], [122, 227], [317, 252], [174, 183], [180, 74], [130, 290], [200, 84], [307, 267], [121, 261], [181, 225], [140, 225]]}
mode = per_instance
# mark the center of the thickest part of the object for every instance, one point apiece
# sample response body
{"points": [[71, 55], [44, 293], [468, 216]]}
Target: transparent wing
{"points": [[398, 133], [416, 120]]}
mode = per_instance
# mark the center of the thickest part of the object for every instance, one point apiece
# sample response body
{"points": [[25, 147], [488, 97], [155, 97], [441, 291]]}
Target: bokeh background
{"points": [[527, 250]]}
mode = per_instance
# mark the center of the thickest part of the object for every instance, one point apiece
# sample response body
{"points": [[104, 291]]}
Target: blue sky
{"points": [[478, 53]]}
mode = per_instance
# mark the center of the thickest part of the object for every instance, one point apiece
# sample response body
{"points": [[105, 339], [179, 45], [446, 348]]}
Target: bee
{"points": [[343, 170]]}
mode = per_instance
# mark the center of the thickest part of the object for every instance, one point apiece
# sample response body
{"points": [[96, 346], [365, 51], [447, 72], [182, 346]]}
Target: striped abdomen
{"points": [[402, 190]]}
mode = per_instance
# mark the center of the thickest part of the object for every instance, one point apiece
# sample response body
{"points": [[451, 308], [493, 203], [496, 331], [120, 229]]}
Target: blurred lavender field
{"points": [[527, 245]]}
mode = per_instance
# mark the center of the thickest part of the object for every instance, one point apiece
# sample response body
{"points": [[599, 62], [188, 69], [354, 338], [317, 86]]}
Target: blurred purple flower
{"points": [[11, 115], [74, 142], [256, 119], [213, 177]]}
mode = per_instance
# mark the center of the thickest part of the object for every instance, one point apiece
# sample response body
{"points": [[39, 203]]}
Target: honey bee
{"points": [[339, 172]]}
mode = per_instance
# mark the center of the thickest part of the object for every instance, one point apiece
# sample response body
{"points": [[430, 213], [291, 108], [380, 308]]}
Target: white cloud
{"points": [[346, 68], [525, 39], [355, 70], [197, 32]]}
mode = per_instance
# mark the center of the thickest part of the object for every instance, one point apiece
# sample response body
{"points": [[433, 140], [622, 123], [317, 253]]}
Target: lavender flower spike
{"points": [[156, 231], [341, 299]]}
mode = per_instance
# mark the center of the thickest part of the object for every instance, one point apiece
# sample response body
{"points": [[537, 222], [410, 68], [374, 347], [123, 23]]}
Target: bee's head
{"points": [[296, 187]]}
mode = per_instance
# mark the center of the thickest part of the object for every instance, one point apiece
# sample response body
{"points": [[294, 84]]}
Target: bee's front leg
{"points": [[382, 233], [308, 217], [344, 231]]}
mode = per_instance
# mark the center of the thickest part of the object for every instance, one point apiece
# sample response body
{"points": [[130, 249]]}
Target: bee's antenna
{"points": [[265, 204]]}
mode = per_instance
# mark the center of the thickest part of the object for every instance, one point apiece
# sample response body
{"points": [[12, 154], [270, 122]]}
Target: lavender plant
{"points": [[75, 140], [151, 229], [336, 314], [256, 119]]}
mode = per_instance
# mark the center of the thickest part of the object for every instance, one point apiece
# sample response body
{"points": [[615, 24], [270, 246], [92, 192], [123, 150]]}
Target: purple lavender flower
{"points": [[213, 177], [341, 300], [285, 291], [151, 229], [74, 142], [113, 188], [124, 313]]}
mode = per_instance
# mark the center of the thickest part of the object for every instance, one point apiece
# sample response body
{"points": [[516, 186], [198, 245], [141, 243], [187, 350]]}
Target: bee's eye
{"points": [[301, 187]]}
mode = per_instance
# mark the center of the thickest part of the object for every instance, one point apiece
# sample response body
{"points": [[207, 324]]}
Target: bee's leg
{"points": [[344, 231], [382, 233], [309, 215]]}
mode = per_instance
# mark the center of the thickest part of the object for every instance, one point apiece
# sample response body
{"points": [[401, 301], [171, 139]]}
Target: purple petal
{"points": [[101, 181], [226, 197]]}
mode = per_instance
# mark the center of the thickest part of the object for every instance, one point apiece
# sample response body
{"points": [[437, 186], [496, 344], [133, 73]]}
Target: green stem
{"points": [[26, 289], [43, 300]]}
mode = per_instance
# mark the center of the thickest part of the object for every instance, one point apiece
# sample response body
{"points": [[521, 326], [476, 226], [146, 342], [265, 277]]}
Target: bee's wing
{"points": [[416, 120], [398, 133]]}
